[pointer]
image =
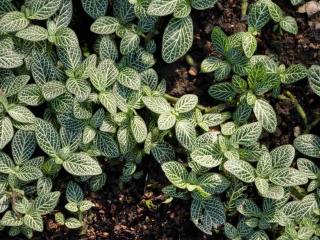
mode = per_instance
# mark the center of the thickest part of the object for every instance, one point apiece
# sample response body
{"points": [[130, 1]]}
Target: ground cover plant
{"points": [[159, 119]]}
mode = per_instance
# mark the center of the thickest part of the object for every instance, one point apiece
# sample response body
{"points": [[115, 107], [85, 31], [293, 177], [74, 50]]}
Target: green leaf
{"points": [[182, 9], [289, 24], [208, 156], [241, 169], [309, 168], [28, 173], [176, 173], [264, 166], [308, 144], [66, 37], [80, 88], [186, 133], [9, 58], [95, 8], [186, 103], [163, 152], [211, 64], [161, 7], [72, 207], [97, 182], [13, 21], [74, 193], [6, 6], [125, 139], [6, 132], [6, 163], [42, 9], [177, 39], [11, 219], [73, 223], [105, 25], [213, 183], [123, 10], [258, 16], [47, 137], [275, 12], [13, 85], [203, 4], [85, 205], [108, 100], [247, 134], [129, 43], [249, 44], [294, 73], [64, 14], [287, 177], [266, 115], [53, 89], [42, 68], [70, 57], [107, 145], [45, 203], [295, 2], [158, 105], [31, 95], [105, 75], [314, 79], [129, 78], [222, 91], [283, 156], [21, 114], [259, 235], [44, 185], [81, 164], [219, 40], [34, 221], [59, 218], [248, 208], [23, 146], [207, 213], [108, 49], [33, 33], [138, 128], [166, 121]]}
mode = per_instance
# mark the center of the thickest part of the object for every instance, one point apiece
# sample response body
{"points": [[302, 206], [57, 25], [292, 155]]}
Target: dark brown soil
{"points": [[136, 211]]}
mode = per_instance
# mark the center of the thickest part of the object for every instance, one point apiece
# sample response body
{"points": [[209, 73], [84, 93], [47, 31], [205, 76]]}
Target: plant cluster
{"points": [[65, 111]]}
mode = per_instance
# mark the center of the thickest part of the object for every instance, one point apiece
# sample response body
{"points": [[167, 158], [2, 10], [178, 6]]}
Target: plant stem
{"points": [[313, 124], [289, 96], [297, 193], [244, 7], [215, 109]]}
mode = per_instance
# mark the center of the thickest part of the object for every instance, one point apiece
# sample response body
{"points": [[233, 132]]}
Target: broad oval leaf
{"points": [[6, 132], [162, 7], [247, 134], [265, 114], [42, 9], [314, 78], [186, 103], [81, 164], [95, 8], [176, 173], [308, 144], [208, 156], [177, 38], [241, 169], [47, 137], [186, 133]]}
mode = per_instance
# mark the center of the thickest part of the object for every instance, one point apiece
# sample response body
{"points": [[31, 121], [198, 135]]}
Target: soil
{"points": [[136, 210]]}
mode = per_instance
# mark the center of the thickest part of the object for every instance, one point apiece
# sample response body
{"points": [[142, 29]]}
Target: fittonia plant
{"points": [[69, 112]]}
